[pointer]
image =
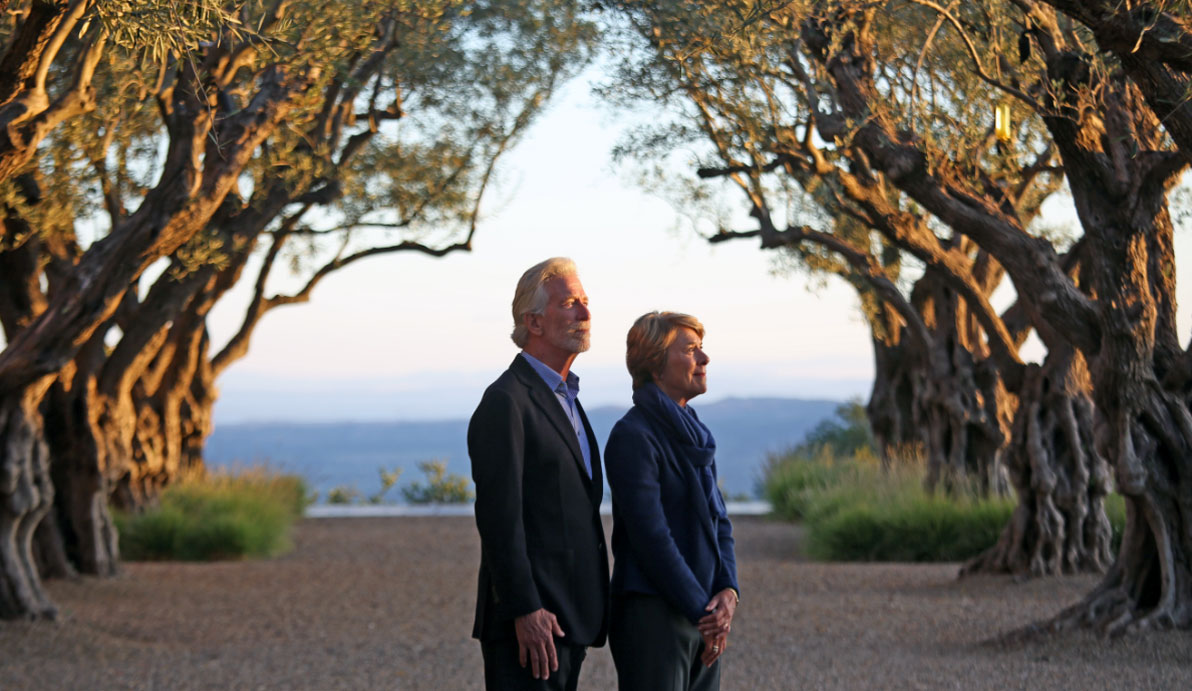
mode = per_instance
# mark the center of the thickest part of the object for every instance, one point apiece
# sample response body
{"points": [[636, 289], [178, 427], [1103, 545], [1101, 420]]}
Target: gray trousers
{"points": [[655, 648]]}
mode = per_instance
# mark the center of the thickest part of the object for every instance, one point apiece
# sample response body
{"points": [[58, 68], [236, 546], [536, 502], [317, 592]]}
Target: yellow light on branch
{"points": [[1001, 122]]}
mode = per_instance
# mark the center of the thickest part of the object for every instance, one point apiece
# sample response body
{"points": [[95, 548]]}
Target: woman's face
{"points": [[684, 376]]}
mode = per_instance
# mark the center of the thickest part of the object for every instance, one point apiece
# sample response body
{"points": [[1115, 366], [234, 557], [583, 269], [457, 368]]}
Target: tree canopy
{"points": [[209, 135]]}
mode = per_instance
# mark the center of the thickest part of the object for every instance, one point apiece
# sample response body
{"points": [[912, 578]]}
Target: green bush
{"points": [[793, 483], [216, 516], [854, 510], [849, 435], [343, 494], [912, 528], [441, 487]]}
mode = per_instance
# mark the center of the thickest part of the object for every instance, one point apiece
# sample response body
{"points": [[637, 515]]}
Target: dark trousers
{"points": [[655, 648], [502, 671]]}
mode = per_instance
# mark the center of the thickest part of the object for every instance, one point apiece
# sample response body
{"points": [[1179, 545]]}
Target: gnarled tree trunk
{"points": [[962, 403], [1059, 525], [26, 495], [74, 437], [891, 407], [972, 205], [191, 189]]}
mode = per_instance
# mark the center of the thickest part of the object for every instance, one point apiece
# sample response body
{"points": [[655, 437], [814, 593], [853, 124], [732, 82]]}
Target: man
{"points": [[543, 587]]}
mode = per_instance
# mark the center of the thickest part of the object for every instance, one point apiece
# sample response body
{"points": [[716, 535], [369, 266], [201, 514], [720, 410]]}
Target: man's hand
{"points": [[722, 607], [536, 633], [714, 647]]}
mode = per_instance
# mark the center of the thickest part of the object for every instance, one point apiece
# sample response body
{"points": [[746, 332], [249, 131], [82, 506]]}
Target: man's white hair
{"points": [[531, 297]]}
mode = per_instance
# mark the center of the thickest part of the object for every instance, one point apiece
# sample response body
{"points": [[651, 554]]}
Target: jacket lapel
{"points": [[548, 403]]}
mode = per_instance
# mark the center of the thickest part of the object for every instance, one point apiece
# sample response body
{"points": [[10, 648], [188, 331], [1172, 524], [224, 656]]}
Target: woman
{"points": [[674, 587]]}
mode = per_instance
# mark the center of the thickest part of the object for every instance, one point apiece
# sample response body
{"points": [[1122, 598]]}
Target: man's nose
{"points": [[702, 357], [582, 312]]}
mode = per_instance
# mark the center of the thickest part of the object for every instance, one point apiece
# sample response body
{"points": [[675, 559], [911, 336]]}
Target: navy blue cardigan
{"points": [[666, 541]]}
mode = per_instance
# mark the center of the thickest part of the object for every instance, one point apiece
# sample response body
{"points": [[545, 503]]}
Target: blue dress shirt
{"points": [[566, 392]]}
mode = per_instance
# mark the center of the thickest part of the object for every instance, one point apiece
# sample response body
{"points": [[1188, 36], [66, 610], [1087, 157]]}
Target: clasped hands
{"points": [[715, 626]]}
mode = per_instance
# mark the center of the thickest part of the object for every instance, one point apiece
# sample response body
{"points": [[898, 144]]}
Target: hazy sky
{"points": [[410, 337]]}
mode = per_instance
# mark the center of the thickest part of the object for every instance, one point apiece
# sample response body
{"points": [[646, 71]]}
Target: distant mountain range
{"points": [[349, 454]]}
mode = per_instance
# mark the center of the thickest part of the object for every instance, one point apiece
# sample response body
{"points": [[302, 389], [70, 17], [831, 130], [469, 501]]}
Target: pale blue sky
{"points": [[410, 337], [407, 336]]}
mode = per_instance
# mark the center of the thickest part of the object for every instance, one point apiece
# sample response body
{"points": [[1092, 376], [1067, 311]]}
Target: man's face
{"points": [[566, 320]]}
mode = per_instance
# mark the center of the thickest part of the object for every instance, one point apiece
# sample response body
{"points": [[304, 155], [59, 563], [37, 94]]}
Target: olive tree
{"points": [[947, 362]]}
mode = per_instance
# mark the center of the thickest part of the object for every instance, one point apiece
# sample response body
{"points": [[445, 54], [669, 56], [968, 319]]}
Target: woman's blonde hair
{"points": [[530, 296], [648, 339]]}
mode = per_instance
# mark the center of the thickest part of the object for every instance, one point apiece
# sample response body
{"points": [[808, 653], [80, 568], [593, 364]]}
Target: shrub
{"points": [[388, 480], [210, 516], [793, 482], [856, 511], [343, 494], [911, 528], [441, 487], [848, 437]]}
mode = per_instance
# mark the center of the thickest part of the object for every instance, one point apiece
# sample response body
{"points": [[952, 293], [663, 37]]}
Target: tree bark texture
{"points": [[1055, 302], [890, 410], [204, 158], [26, 495], [962, 404], [1059, 525], [1120, 176], [1119, 179], [1154, 45], [74, 438]]}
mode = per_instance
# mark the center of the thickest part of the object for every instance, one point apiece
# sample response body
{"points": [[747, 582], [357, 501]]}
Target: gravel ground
{"points": [[386, 603]]}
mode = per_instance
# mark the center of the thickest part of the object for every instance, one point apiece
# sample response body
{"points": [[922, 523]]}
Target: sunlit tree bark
{"points": [[212, 134], [126, 420], [1120, 174], [966, 390]]}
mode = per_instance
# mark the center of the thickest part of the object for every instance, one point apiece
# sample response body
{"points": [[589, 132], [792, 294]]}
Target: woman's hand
{"points": [[713, 648], [722, 607]]}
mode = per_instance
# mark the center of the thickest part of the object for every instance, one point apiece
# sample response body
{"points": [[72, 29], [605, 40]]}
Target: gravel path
{"points": [[386, 603]]}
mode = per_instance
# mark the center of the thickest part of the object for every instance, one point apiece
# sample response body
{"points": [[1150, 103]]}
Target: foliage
{"points": [[216, 516], [791, 482], [441, 487], [745, 99], [343, 494], [848, 437], [855, 510], [787, 485], [161, 28], [914, 526], [388, 480]]}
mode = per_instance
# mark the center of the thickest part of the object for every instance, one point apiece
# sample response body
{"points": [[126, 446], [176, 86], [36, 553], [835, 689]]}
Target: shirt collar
{"points": [[553, 378]]}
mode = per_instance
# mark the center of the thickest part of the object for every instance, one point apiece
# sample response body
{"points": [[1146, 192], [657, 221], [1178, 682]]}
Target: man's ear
{"points": [[533, 323]]}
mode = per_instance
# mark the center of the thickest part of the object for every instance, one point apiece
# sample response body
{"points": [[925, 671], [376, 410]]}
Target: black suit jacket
{"points": [[542, 542]]}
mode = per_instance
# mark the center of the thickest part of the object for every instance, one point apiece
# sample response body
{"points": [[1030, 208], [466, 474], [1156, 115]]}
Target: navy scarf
{"points": [[694, 439]]}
